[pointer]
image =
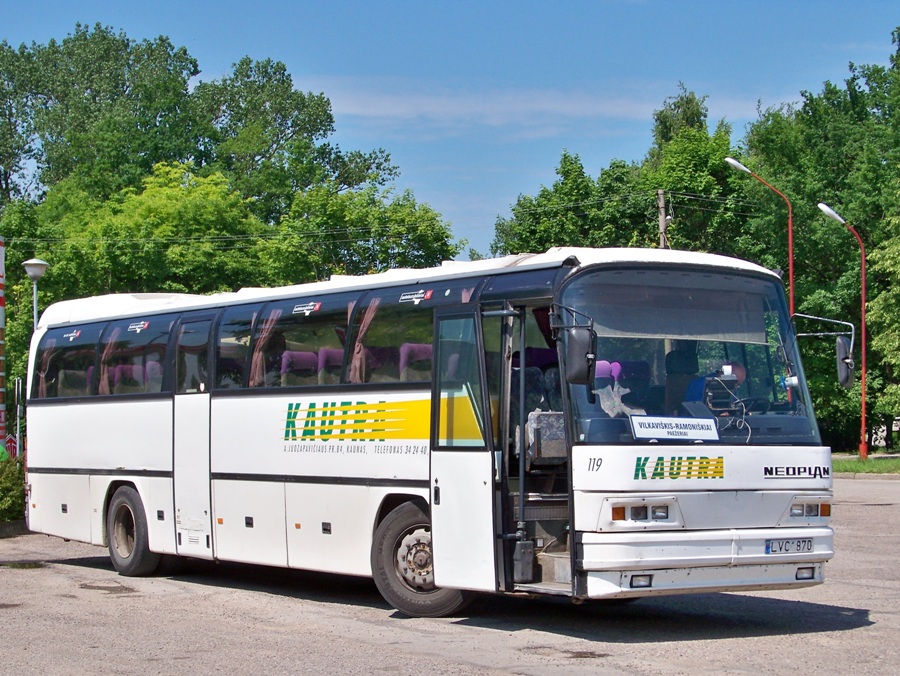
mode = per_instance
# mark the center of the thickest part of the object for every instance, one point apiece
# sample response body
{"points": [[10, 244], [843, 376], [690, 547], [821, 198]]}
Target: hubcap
{"points": [[414, 563], [123, 535]]}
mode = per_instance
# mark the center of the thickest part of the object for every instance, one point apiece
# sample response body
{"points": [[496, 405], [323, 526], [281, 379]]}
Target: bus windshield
{"points": [[685, 357]]}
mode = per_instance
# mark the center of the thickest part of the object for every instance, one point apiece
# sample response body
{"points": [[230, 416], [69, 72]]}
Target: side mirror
{"points": [[580, 355], [845, 364]]}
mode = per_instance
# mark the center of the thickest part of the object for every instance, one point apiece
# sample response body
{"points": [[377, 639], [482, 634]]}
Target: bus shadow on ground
{"points": [[666, 618], [300, 584], [647, 620]]}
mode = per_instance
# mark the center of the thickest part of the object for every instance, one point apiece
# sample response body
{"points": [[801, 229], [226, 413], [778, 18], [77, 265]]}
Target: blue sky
{"points": [[475, 101]]}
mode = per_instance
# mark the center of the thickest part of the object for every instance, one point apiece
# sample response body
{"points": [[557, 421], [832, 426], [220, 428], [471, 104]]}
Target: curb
{"points": [[10, 529], [867, 476]]}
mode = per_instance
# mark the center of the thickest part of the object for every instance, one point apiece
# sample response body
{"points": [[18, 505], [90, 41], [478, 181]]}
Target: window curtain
{"points": [[358, 360], [45, 365], [108, 350], [258, 358]]}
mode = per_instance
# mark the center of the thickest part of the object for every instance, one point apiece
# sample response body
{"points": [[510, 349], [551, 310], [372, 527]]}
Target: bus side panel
{"points": [[330, 527], [156, 498], [60, 504], [307, 436], [104, 435], [249, 522], [76, 449], [700, 467], [337, 456]]}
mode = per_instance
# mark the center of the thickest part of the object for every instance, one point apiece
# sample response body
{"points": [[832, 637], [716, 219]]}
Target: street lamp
{"points": [[35, 269], [740, 167], [832, 214]]}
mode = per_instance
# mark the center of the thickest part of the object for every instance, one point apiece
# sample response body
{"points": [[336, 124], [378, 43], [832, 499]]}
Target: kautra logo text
{"points": [[342, 420], [679, 467], [357, 421]]}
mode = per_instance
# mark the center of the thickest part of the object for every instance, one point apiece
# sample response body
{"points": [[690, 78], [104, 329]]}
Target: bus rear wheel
{"points": [[403, 566], [126, 528]]}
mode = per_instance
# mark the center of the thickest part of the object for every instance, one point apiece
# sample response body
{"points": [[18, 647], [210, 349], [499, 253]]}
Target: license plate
{"points": [[792, 546]]}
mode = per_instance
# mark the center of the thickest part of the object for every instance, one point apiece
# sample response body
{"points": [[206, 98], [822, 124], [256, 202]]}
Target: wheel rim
{"points": [[413, 562], [123, 532]]}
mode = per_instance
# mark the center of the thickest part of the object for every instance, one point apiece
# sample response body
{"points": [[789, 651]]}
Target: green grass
{"points": [[874, 465]]}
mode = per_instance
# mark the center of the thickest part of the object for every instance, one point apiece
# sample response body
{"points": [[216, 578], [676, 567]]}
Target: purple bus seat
{"points": [[299, 368], [329, 366], [415, 362]]}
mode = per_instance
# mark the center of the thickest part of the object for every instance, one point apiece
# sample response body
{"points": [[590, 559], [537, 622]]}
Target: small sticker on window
{"points": [[416, 297], [137, 327], [306, 309]]}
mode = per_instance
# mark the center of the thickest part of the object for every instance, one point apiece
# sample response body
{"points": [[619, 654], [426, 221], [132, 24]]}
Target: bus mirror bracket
{"points": [[843, 347], [580, 340]]}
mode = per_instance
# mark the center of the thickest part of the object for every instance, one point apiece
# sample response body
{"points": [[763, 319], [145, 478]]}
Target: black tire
{"points": [[402, 566], [126, 529]]}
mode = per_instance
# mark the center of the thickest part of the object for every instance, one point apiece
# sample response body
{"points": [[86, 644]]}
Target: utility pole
{"points": [[663, 221]]}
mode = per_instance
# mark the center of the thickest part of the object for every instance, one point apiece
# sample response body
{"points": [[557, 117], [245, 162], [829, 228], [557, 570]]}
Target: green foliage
{"points": [[874, 465], [883, 313], [106, 109], [691, 168], [579, 211], [332, 232], [268, 138], [15, 123], [684, 111], [12, 489]]}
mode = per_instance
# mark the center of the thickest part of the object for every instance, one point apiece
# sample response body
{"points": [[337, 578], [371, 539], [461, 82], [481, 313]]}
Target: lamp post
{"points": [[740, 167], [863, 437], [35, 269]]}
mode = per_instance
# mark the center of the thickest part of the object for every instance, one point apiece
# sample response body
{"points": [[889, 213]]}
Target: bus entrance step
{"points": [[553, 588], [555, 567]]}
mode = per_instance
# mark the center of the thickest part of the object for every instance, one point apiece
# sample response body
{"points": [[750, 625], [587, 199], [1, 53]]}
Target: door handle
{"points": [[437, 495]]}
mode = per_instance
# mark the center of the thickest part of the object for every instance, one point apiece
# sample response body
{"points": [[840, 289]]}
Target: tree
{"points": [[578, 211], [883, 313], [179, 232], [269, 138], [683, 111], [15, 123], [107, 109], [691, 167], [356, 232]]}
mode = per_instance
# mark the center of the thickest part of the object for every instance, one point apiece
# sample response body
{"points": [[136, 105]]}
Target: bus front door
{"points": [[462, 461], [193, 514]]}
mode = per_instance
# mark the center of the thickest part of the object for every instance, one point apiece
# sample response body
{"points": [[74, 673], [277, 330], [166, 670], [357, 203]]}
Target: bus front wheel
{"points": [[129, 542], [403, 568]]}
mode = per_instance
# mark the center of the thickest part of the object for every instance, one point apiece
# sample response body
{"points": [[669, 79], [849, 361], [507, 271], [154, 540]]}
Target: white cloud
{"points": [[413, 109], [410, 106]]}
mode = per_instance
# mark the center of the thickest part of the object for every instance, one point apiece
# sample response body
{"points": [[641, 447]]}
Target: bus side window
{"points": [[191, 365], [233, 346], [64, 364], [382, 329], [298, 342], [131, 355], [392, 334]]}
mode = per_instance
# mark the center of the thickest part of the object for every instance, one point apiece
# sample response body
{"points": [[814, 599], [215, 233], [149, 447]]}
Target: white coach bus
{"points": [[373, 426]]}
